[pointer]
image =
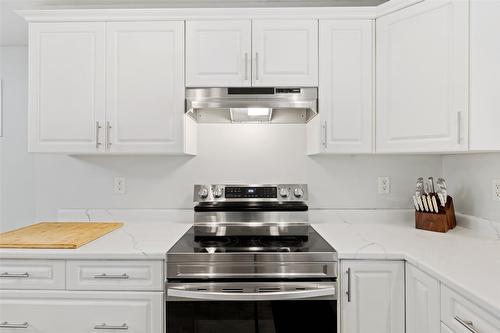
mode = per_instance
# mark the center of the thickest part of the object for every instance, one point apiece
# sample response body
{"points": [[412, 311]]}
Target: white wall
{"points": [[35, 186], [469, 178]]}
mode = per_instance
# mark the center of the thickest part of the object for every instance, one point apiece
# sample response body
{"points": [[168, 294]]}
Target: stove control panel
{"points": [[238, 193]]}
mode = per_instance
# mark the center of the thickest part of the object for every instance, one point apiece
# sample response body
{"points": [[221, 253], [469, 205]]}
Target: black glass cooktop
{"points": [[233, 244]]}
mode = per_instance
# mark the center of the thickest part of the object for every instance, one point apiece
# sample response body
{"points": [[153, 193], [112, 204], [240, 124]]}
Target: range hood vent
{"points": [[252, 105]]}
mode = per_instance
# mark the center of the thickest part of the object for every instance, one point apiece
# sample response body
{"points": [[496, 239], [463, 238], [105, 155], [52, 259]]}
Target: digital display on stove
{"points": [[243, 192]]}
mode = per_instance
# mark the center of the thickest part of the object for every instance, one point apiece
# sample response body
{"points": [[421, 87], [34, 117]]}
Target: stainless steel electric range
{"points": [[251, 263]]}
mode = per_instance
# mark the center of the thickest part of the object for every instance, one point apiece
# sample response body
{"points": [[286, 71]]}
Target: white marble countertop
{"points": [[465, 259]]}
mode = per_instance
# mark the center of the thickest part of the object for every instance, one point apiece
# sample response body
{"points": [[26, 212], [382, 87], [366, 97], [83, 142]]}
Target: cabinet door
{"points": [[66, 87], [346, 87], [145, 87], [485, 75], [445, 329], [218, 53], [422, 78], [285, 52], [422, 302], [372, 296]]}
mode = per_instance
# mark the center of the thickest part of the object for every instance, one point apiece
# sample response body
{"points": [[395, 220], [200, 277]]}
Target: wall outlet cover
{"points": [[384, 185], [119, 185], [495, 187]]}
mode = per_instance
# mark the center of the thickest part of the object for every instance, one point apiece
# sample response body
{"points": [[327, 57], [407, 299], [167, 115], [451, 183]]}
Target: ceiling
{"points": [[14, 30]]}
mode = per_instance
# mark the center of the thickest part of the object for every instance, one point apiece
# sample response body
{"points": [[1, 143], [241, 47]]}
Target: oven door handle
{"points": [[328, 292]]}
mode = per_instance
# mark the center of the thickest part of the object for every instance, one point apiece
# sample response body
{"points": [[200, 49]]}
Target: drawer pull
{"points": [[103, 326], [111, 276], [14, 325], [467, 324], [14, 275]]}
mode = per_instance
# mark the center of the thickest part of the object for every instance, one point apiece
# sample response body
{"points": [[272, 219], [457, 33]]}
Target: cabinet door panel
{"points": [[422, 302], [145, 87], [376, 302], [285, 53], [66, 86], [422, 78], [218, 53], [345, 90]]}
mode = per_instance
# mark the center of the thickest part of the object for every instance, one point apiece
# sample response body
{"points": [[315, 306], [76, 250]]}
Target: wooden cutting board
{"points": [[56, 235]]}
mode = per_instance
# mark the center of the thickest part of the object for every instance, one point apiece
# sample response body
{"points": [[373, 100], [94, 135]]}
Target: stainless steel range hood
{"points": [[252, 105]]}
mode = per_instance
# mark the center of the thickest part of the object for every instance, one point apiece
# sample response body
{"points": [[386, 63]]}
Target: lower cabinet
{"points": [[372, 297], [422, 302], [79, 312]]}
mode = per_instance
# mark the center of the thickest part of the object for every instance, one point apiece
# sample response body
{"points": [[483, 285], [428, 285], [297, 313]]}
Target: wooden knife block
{"points": [[442, 221]]}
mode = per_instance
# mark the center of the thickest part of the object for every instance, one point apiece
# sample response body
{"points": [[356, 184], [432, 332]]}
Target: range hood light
{"points": [[256, 112], [250, 115]]}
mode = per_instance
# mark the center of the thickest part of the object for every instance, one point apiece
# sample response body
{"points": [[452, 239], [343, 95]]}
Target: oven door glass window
{"points": [[252, 317]]}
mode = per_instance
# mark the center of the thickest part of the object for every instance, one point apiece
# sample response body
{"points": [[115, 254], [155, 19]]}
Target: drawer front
{"points": [[463, 316], [32, 274], [115, 275], [80, 312]]}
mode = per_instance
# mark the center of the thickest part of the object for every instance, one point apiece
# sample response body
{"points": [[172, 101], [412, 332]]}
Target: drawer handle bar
{"points": [[467, 324], [111, 276], [103, 326], [14, 325], [14, 275]]}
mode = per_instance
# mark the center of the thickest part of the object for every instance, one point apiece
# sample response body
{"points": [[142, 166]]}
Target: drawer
{"points": [[80, 312], [115, 275], [463, 316], [32, 274]]}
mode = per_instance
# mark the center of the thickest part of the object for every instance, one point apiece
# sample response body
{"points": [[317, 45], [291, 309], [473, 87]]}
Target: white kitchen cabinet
{"points": [[80, 312], [285, 53], [372, 296], [145, 87], [218, 53], [445, 329], [422, 78], [32, 274], [345, 88], [66, 87], [422, 302], [484, 75]]}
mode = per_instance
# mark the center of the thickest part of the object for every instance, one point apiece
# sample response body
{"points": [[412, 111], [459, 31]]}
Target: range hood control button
{"points": [[298, 192], [283, 192], [203, 193]]}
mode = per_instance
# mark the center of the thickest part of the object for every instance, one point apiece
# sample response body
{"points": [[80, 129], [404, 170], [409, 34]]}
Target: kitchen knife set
{"points": [[430, 197]]}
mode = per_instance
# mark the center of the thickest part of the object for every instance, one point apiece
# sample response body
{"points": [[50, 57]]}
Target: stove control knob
{"points": [[203, 193], [218, 192], [298, 192], [283, 192]]}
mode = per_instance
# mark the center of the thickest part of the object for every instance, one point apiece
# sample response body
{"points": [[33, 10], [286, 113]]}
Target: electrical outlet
{"points": [[119, 185], [384, 185], [495, 187]]}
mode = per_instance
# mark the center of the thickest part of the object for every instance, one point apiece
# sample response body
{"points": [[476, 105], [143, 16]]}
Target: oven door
{"points": [[251, 307]]}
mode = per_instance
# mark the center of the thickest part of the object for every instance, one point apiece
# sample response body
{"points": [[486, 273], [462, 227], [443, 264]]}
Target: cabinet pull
{"points": [[97, 128], [14, 275], [103, 326], [467, 324], [325, 135], [256, 65], [246, 66], [6, 324], [348, 292], [111, 276], [459, 127], [108, 134]]}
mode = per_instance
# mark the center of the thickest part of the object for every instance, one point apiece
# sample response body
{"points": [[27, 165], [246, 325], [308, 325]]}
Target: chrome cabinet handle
{"points": [[97, 128], [256, 65], [325, 135], [467, 324], [14, 275], [6, 324], [348, 292], [108, 134], [459, 127], [246, 66], [103, 326], [111, 276]]}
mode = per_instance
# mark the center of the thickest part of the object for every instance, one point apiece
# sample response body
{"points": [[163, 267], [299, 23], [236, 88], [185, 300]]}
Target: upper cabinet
{"points": [[252, 53], [422, 78], [285, 52], [66, 87], [484, 75], [114, 87], [218, 53], [345, 119]]}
